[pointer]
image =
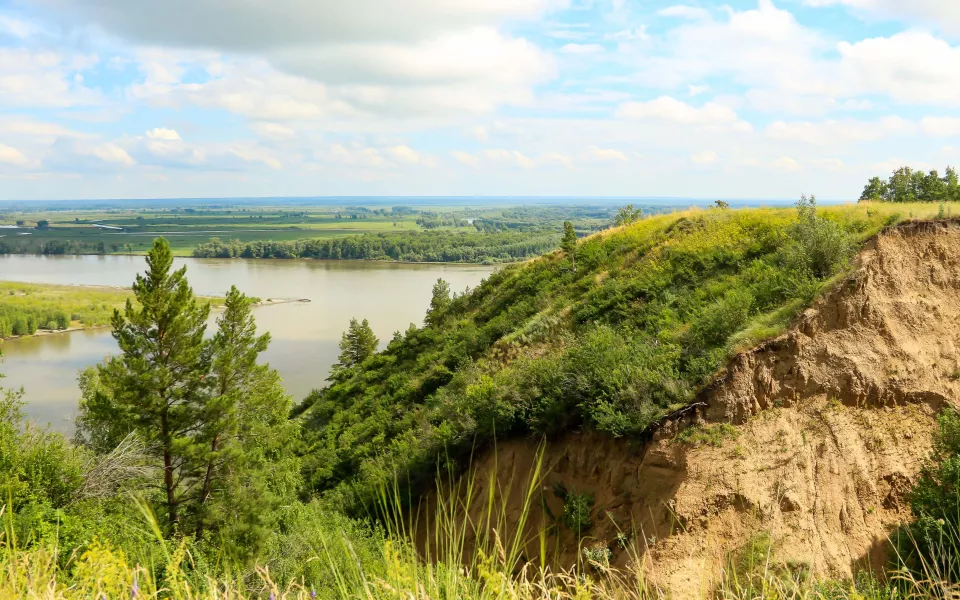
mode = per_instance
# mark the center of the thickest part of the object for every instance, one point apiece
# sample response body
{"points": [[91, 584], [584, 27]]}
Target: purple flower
{"points": [[135, 590], [313, 593], [273, 596]]}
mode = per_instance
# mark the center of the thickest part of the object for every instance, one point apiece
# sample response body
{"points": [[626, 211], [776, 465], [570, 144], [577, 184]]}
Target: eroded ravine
{"points": [[833, 421]]}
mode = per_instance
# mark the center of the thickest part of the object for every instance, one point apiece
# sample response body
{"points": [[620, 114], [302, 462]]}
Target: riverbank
{"points": [[85, 307]]}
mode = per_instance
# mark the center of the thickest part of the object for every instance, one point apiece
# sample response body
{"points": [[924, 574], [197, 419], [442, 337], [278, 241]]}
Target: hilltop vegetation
{"points": [[650, 313], [909, 185]]}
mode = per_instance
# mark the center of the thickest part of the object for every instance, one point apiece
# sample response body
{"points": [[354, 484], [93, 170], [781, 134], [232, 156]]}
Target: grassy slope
{"points": [[653, 310]]}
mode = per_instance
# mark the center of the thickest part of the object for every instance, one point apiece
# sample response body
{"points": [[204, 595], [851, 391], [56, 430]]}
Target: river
{"points": [[305, 335]]}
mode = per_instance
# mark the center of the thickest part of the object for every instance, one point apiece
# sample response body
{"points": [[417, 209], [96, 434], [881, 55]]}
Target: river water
{"points": [[305, 335]]}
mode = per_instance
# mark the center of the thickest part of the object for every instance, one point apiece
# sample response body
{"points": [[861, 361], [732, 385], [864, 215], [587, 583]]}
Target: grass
{"points": [[470, 555], [87, 306]]}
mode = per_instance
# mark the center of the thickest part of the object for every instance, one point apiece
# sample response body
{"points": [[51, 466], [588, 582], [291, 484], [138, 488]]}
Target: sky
{"points": [[222, 98]]}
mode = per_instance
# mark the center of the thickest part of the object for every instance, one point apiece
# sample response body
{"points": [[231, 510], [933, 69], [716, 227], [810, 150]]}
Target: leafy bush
{"points": [[935, 503], [817, 246]]}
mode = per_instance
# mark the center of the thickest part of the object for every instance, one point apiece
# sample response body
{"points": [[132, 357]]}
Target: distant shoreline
{"points": [[80, 327]]}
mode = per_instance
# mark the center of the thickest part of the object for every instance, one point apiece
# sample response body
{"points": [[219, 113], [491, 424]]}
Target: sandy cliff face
{"points": [[832, 423]]}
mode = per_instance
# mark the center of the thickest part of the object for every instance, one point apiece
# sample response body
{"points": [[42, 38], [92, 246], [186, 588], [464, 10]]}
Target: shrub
{"points": [[817, 245]]}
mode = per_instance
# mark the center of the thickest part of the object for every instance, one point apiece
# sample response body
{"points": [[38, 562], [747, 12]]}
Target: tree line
{"points": [[50, 247], [423, 246], [908, 185], [27, 320]]}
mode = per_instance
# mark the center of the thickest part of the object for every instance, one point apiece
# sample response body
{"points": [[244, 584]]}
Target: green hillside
{"points": [[651, 312]]}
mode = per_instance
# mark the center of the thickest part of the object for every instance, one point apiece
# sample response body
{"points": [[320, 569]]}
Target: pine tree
{"points": [[357, 344], [156, 386], [439, 302], [236, 347], [569, 243]]}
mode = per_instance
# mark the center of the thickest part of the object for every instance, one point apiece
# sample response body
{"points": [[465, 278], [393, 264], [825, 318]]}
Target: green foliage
{"points": [[568, 243], [935, 502], [651, 314], [439, 302], [213, 420], [627, 215], [908, 185], [578, 511], [38, 468], [817, 246], [416, 246], [357, 344], [713, 434], [26, 308]]}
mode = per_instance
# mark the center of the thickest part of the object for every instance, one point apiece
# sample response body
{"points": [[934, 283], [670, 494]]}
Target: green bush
{"points": [[934, 537]]}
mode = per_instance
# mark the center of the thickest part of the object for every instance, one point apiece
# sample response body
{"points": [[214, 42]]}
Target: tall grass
{"points": [[460, 546]]}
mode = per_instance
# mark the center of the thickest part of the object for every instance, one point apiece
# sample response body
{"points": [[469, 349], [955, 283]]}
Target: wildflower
{"points": [[136, 588], [313, 594]]}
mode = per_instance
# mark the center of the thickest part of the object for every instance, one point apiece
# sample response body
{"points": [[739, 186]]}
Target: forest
{"points": [[909, 185], [194, 475], [426, 246]]}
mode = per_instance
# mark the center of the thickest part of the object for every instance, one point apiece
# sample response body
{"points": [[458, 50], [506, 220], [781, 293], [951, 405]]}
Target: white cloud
{"points": [[696, 90], [11, 156], [255, 154], [704, 158], [908, 67], [112, 153], [509, 157], [786, 163], [161, 133], [941, 126], [18, 27], [832, 132], [943, 14], [466, 158], [481, 133], [407, 155], [257, 26], [666, 108], [595, 153], [273, 131], [44, 79], [555, 159], [382, 57]]}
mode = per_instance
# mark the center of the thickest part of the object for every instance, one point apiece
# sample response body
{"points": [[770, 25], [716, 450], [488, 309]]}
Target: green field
{"points": [[132, 230]]}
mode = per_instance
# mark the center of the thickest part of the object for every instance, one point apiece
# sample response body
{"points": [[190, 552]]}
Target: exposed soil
{"points": [[832, 423]]}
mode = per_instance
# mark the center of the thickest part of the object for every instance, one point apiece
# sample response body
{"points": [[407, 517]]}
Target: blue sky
{"points": [[196, 98]]}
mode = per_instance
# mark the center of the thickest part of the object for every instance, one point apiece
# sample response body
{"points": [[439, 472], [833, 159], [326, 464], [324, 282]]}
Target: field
{"points": [[120, 231], [89, 229]]}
